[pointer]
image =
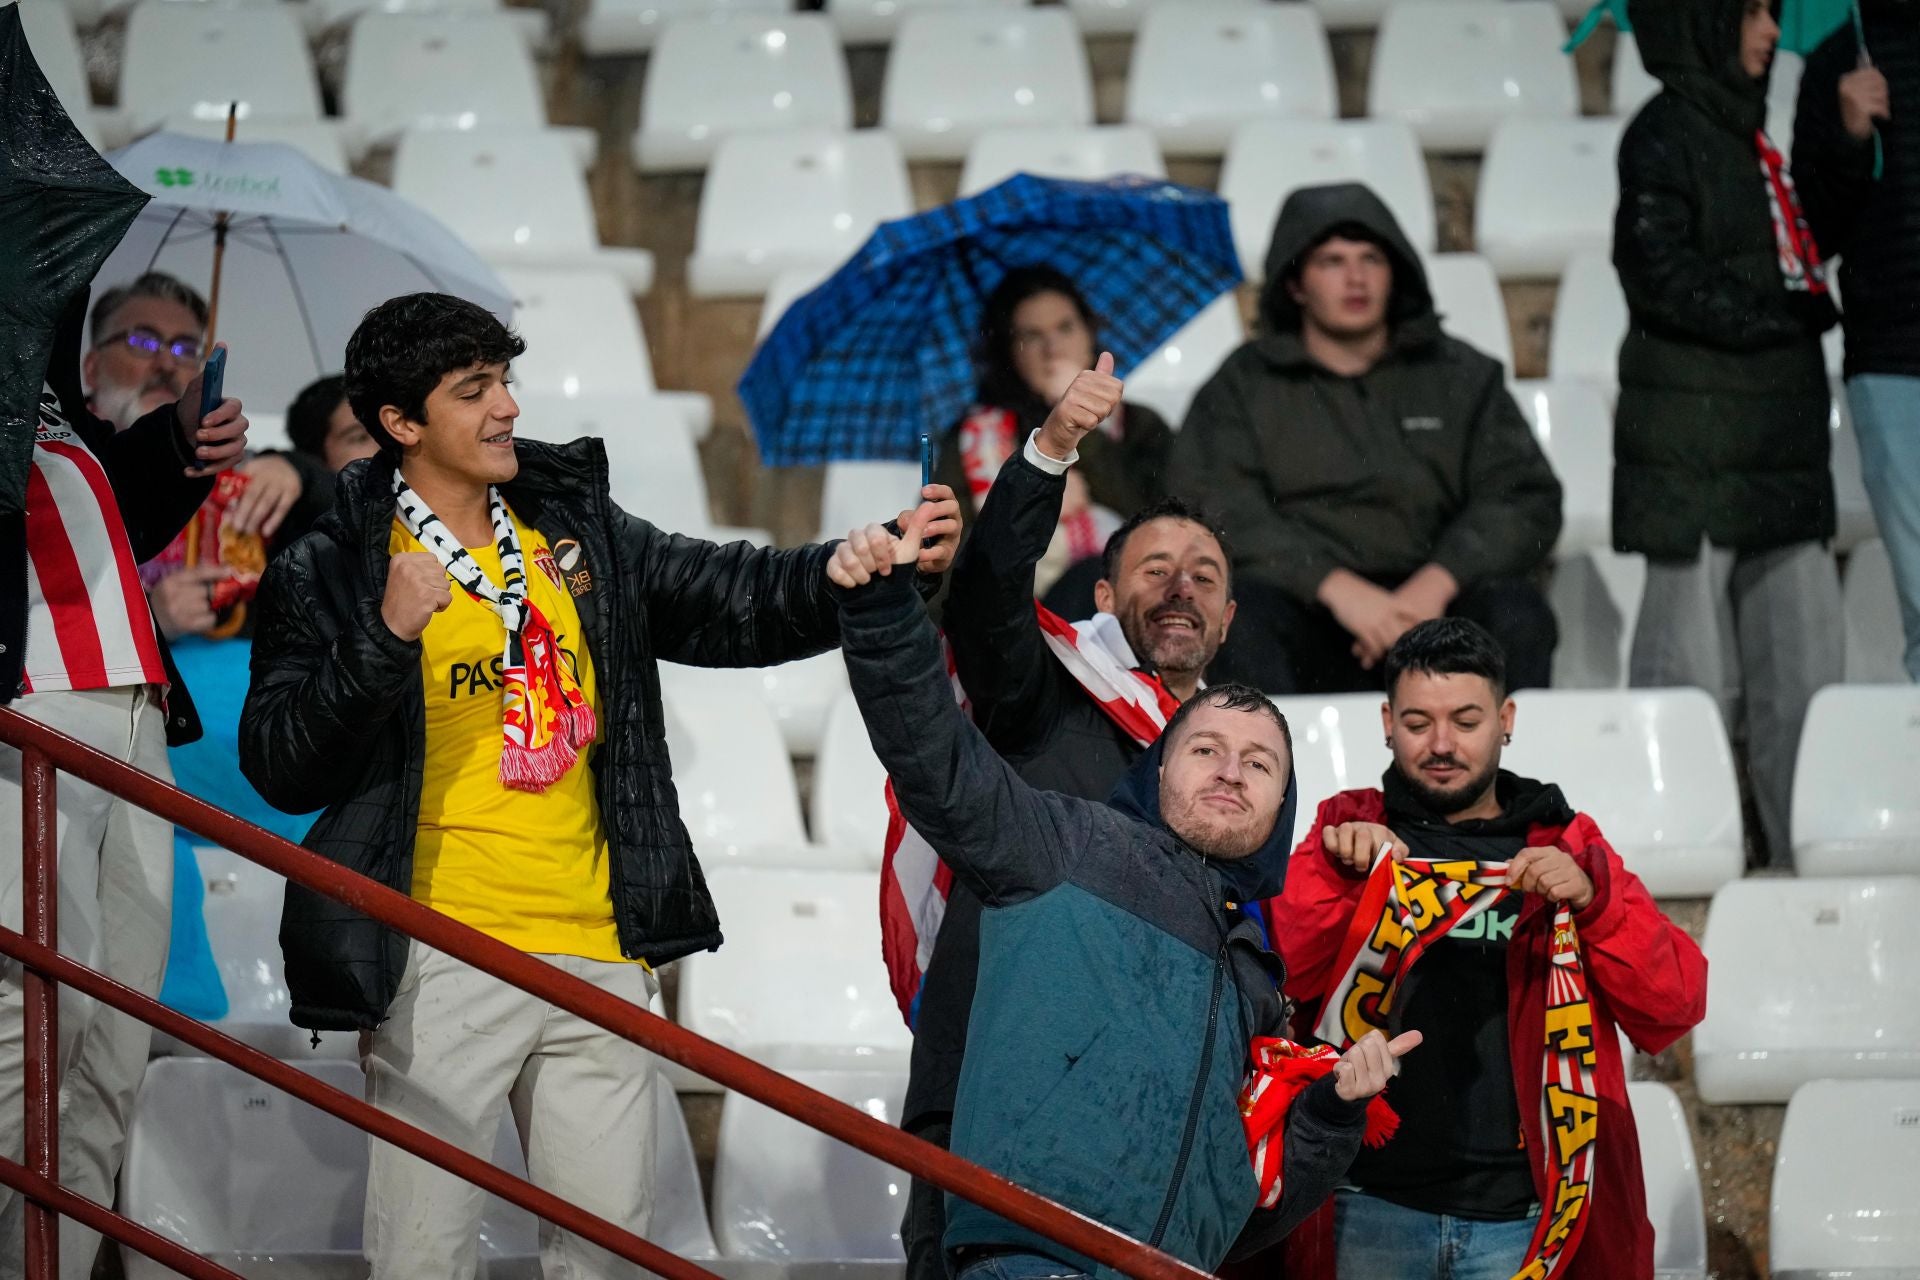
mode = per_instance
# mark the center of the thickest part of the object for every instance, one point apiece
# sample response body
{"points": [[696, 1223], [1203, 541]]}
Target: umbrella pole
{"points": [[219, 244]]}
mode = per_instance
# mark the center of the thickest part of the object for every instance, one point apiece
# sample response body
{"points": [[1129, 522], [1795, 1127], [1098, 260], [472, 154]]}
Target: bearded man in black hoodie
{"points": [[1375, 471]]}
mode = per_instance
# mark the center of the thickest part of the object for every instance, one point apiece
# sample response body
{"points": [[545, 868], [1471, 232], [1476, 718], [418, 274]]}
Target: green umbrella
{"points": [[62, 210]]}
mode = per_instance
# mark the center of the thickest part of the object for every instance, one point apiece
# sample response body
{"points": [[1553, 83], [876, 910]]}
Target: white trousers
{"points": [[458, 1045], [113, 913]]}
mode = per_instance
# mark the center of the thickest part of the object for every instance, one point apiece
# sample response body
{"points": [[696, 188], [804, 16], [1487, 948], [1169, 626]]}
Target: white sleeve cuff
{"points": [[1052, 466]]}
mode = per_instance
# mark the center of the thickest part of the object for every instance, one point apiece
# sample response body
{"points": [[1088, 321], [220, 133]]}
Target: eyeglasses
{"points": [[146, 344]]}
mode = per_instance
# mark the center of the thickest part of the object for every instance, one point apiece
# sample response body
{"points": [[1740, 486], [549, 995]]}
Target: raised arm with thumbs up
{"points": [[1090, 400]]}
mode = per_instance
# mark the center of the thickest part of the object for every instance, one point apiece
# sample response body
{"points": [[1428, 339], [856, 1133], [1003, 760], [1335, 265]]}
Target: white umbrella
{"points": [[308, 253]]}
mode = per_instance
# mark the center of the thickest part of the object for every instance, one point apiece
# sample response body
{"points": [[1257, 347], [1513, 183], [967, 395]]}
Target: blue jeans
{"points": [[1886, 418], [1374, 1239], [1023, 1266]]}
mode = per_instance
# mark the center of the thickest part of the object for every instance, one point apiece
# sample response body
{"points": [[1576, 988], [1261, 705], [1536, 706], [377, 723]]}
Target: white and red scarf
{"points": [[545, 720], [1801, 267], [914, 882], [1405, 908], [987, 438]]}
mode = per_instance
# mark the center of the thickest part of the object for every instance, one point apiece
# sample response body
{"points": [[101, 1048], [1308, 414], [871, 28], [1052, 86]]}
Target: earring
{"points": [[1506, 739], [1388, 742]]}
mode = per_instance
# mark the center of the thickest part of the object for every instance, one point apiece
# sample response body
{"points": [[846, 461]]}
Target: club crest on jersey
{"points": [[543, 557], [52, 426]]}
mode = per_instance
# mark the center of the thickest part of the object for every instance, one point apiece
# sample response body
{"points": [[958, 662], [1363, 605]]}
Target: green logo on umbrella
{"points": [[173, 177]]}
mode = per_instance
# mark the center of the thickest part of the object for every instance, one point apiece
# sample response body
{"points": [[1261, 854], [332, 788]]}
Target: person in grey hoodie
{"points": [[1375, 471]]}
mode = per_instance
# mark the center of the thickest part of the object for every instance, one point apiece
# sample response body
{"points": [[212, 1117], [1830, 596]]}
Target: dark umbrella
{"points": [[62, 210]]}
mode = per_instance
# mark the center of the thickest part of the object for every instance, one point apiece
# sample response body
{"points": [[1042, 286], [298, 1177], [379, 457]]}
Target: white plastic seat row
{"points": [[1673, 1182], [1574, 425], [1855, 808], [1846, 1182], [1200, 70], [1876, 636], [1454, 69], [1547, 192]]}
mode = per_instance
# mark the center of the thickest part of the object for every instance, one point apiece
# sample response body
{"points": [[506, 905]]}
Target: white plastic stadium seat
{"points": [[1653, 768], [712, 77], [1632, 85], [1268, 160], [955, 73], [239, 1171], [1167, 380], [1846, 1182], [1596, 600], [788, 1193], [1589, 320], [515, 196], [1200, 70], [1338, 745], [48, 27], [1855, 809], [1123, 17], [1100, 151], [1453, 69], [1351, 15], [1876, 637], [192, 59], [733, 776], [634, 26], [783, 291], [1575, 429], [849, 807], [323, 16], [1547, 192], [584, 341], [1673, 1182], [801, 973], [777, 202], [428, 71], [1808, 979], [878, 21], [1467, 295], [799, 695], [317, 140]]}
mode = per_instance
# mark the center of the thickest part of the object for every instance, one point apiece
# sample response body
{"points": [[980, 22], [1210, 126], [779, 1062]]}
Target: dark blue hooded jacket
{"points": [[1119, 987]]}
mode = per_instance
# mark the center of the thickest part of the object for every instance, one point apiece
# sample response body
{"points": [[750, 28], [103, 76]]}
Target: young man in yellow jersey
{"points": [[458, 665]]}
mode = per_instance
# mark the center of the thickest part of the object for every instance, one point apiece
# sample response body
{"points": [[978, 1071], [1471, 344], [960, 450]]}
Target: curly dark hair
{"points": [[311, 410], [406, 345], [1001, 385]]}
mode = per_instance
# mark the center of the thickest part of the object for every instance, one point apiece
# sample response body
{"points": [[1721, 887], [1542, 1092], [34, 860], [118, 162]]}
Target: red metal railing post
{"points": [[40, 891]]}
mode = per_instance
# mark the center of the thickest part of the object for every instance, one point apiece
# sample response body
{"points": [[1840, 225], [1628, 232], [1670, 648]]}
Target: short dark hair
{"points": [[311, 411], [405, 345], [154, 284], [1231, 697], [1355, 231], [1447, 647], [1165, 509]]}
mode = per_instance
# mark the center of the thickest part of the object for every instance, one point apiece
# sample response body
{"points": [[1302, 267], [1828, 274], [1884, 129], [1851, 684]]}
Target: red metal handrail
{"points": [[44, 748]]}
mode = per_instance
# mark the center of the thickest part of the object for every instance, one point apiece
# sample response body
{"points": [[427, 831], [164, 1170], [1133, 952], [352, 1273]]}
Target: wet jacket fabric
{"points": [[1643, 974], [335, 717], [1423, 458], [1722, 425], [1118, 993], [1872, 225]]}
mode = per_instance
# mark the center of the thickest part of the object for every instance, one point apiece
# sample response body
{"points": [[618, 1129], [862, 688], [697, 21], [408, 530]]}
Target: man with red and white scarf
{"points": [[1480, 909], [1069, 706]]}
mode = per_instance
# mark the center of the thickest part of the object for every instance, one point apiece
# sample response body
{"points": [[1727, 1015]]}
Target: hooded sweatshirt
{"points": [[1120, 982], [1423, 458], [1721, 429]]}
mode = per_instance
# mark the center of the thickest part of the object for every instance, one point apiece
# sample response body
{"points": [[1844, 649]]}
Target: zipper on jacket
{"points": [[1199, 1097]]}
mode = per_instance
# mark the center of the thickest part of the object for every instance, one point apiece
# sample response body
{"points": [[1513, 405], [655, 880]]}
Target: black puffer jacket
{"points": [[335, 716], [1871, 225], [1423, 458], [1722, 428]]}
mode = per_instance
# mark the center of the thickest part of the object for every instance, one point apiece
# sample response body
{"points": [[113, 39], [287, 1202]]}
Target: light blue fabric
{"points": [[1375, 1239], [1886, 418], [216, 672], [1020, 1266]]}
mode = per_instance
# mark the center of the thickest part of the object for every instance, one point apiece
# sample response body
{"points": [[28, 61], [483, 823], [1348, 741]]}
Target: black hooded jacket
{"points": [[1423, 458], [336, 719], [1871, 224], [1722, 427]]}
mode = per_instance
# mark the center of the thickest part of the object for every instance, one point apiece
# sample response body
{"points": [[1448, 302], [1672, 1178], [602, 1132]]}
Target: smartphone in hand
{"points": [[213, 382]]}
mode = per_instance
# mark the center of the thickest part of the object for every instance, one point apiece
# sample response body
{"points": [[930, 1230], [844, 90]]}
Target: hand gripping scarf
{"points": [[1405, 908], [545, 719], [1281, 1072]]}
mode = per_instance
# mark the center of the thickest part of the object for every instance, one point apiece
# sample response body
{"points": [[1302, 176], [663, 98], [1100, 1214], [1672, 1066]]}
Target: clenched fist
{"points": [[1090, 400], [1364, 1069], [416, 590]]}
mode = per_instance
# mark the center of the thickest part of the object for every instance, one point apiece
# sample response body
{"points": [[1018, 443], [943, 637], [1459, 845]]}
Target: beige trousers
{"points": [[457, 1046]]}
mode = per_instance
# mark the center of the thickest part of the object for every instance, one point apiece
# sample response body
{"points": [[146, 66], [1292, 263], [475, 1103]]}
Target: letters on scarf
{"points": [[1405, 908]]}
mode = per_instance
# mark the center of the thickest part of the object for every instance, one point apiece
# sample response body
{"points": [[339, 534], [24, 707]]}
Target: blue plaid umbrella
{"points": [[883, 351]]}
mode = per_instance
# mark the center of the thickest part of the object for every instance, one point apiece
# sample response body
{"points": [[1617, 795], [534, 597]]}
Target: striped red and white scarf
{"points": [[1405, 908], [1801, 267], [914, 882]]}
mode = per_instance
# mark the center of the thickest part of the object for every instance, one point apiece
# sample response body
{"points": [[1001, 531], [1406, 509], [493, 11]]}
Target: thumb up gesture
{"points": [[873, 552], [1090, 400]]}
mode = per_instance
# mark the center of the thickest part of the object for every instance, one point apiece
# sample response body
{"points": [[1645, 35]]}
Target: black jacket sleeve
{"points": [[730, 606], [1323, 1137], [316, 703], [1832, 169], [998, 651], [1512, 516], [1667, 277], [1005, 840]]}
